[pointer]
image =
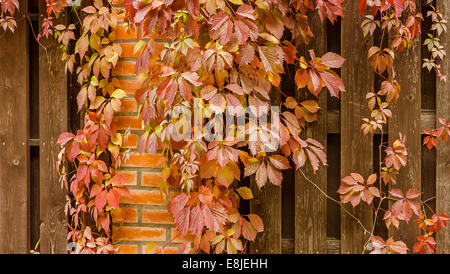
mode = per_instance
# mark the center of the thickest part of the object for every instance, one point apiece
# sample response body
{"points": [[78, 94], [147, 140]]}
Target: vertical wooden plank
{"points": [[53, 116], [356, 149], [14, 137], [310, 204], [267, 204], [443, 151], [406, 120]]}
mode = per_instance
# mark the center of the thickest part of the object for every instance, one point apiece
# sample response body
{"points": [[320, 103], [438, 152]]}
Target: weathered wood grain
{"points": [[443, 150], [14, 86], [310, 204], [267, 204], [428, 121], [53, 116], [333, 246], [406, 120], [356, 149]]}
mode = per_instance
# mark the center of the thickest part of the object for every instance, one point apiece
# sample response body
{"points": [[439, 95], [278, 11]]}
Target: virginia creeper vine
{"points": [[226, 53]]}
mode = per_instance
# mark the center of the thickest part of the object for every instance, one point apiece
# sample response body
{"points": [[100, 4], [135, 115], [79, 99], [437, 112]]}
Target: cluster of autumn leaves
{"points": [[227, 53], [7, 10], [399, 20], [94, 188]]}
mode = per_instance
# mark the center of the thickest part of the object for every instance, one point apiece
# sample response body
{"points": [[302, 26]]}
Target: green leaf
{"points": [[119, 94], [94, 81], [138, 46], [230, 232]]}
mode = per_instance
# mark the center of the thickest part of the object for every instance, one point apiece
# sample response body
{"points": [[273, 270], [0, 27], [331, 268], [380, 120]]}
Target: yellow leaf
{"points": [[310, 105], [230, 232], [245, 193], [290, 102]]}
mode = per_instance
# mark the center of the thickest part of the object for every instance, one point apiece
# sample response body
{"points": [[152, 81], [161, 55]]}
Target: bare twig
{"points": [[37, 40]]}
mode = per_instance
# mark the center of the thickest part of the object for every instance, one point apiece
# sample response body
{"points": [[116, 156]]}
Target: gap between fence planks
{"points": [[443, 151], [311, 205], [53, 120], [14, 156], [356, 149]]}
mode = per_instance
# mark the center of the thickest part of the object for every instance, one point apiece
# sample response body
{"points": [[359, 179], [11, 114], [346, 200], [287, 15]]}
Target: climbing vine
{"points": [[199, 59], [231, 53], [399, 20]]}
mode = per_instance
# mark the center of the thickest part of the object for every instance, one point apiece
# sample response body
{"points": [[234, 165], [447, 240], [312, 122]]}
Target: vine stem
{"points": [[375, 219], [40, 44]]}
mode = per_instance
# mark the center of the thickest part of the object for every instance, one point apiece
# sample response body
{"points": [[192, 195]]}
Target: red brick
{"points": [[125, 122], [131, 141], [128, 49], [124, 68], [143, 197], [122, 34], [151, 179], [130, 176], [130, 86], [156, 216], [168, 250], [128, 105], [125, 215], [145, 160], [126, 249], [126, 233]]}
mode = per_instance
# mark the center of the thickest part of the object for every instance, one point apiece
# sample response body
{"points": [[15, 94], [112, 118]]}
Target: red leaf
{"points": [[178, 203], [248, 232], [184, 248], [256, 222], [108, 112], [65, 137], [196, 221], [333, 60], [279, 161], [333, 83], [209, 219], [100, 200], [399, 6], [261, 175], [362, 6], [413, 193], [275, 176], [182, 221], [113, 198], [192, 77], [185, 90], [81, 98], [246, 11], [396, 193]]}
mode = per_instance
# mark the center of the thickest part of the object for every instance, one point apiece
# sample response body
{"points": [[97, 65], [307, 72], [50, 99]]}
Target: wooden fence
{"points": [[298, 217], [33, 112], [37, 105]]}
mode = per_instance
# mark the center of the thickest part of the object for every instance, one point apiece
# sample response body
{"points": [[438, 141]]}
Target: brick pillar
{"points": [[144, 216]]}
